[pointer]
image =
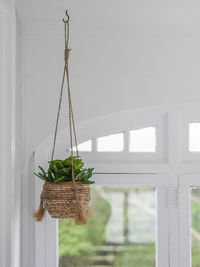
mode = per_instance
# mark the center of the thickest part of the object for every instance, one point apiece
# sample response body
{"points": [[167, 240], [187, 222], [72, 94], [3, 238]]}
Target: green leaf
{"points": [[53, 167], [59, 179], [43, 171], [56, 161], [61, 170], [85, 175], [50, 176], [40, 175], [66, 170], [77, 162]]}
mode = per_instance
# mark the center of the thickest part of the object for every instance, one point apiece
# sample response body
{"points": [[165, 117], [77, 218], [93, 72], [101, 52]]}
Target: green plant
{"points": [[61, 171]]}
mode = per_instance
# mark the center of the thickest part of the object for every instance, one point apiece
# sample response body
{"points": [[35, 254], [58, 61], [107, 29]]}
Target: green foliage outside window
{"points": [[78, 246]]}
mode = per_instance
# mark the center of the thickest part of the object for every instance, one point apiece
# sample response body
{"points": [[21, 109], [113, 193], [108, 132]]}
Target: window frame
{"points": [[47, 231], [172, 160], [158, 155], [102, 151], [140, 129], [186, 181], [186, 117]]}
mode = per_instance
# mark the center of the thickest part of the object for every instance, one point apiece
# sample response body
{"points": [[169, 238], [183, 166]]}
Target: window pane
{"points": [[111, 143], [143, 140], [85, 146], [195, 226], [194, 137], [121, 233]]}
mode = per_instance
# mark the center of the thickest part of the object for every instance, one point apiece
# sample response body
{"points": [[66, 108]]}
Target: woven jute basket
{"points": [[60, 200], [65, 200]]}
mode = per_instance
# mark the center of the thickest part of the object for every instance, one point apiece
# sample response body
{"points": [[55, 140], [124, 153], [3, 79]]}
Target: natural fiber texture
{"points": [[60, 201]]}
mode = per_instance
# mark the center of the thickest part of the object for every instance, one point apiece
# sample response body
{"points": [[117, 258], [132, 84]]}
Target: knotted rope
{"points": [[71, 114], [81, 217]]}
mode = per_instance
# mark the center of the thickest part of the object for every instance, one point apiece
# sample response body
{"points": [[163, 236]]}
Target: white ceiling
{"points": [[115, 16]]}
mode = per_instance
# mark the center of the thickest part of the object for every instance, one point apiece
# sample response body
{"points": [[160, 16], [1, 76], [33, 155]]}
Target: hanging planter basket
{"points": [[66, 191], [60, 200]]}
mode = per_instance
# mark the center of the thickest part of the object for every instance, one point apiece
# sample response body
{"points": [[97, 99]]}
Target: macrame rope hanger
{"points": [[72, 129], [71, 114], [81, 212]]}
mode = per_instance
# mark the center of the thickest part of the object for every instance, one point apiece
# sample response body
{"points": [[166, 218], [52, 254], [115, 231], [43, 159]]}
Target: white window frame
{"points": [[172, 161], [186, 181], [160, 183], [126, 154], [46, 232], [186, 117]]}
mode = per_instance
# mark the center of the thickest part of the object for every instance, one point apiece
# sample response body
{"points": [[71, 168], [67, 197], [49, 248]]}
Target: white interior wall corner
{"points": [[24, 196], [19, 150], [28, 207], [10, 136]]}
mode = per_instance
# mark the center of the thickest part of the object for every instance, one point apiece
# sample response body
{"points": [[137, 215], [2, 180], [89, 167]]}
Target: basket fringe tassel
{"points": [[82, 214], [39, 214]]}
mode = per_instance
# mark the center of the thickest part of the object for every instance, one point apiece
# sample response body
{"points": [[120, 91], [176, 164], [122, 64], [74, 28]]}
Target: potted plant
{"points": [[62, 196], [66, 191]]}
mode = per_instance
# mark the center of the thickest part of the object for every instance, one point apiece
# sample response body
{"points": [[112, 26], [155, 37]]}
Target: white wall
{"points": [[19, 153], [11, 158], [124, 55]]}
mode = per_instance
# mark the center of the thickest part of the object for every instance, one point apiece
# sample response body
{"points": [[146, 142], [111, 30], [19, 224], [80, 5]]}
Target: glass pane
{"points": [[195, 226], [111, 143], [194, 137], [85, 146], [143, 140], [121, 233]]}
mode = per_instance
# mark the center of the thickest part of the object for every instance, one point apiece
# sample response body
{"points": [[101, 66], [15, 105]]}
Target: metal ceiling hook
{"points": [[67, 20]]}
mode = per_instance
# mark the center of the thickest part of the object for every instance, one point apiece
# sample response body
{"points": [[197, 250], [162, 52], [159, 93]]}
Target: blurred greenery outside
{"points": [[195, 226], [85, 246]]}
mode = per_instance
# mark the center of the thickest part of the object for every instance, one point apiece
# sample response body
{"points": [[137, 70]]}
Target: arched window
{"points": [[146, 195], [139, 140]]}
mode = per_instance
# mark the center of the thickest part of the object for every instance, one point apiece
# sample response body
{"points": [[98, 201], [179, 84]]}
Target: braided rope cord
{"points": [[71, 113], [72, 129]]}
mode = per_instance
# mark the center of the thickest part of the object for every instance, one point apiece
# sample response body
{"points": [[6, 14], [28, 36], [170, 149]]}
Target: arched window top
{"points": [[145, 136], [111, 143], [142, 140], [85, 146], [194, 137]]}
